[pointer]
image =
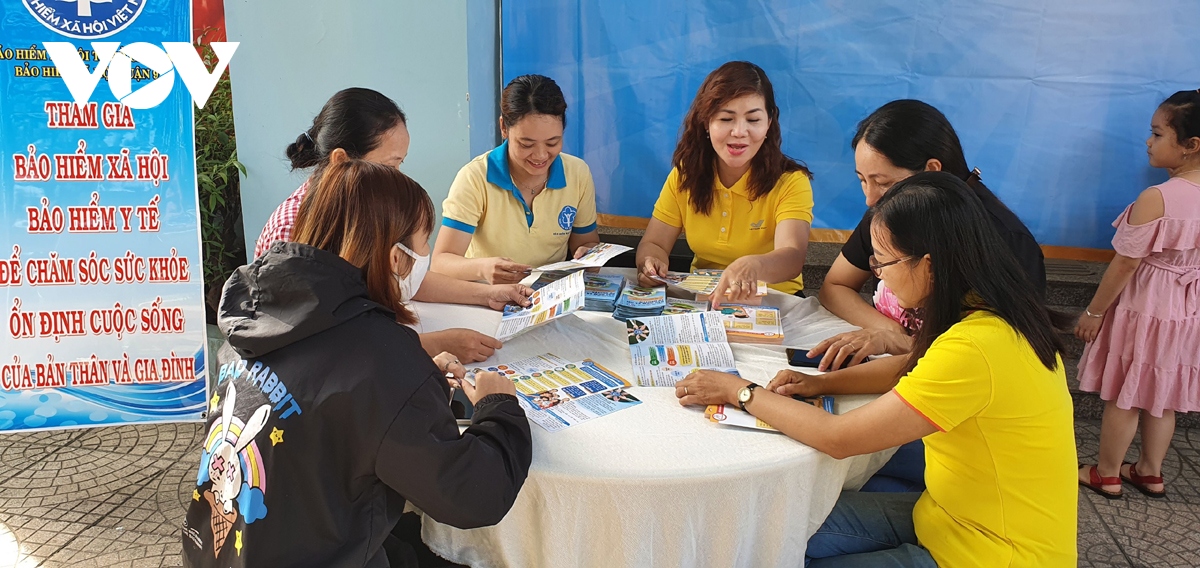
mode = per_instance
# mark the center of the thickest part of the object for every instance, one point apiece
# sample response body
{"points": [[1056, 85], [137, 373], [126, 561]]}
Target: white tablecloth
{"points": [[657, 484]]}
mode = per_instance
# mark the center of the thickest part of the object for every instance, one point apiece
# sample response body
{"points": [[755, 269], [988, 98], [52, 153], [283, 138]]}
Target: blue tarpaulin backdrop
{"points": [[1052, 98]]}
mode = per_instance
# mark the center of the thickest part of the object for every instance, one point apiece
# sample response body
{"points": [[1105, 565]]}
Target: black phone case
{"points": [[461, 406], [797, 358]]}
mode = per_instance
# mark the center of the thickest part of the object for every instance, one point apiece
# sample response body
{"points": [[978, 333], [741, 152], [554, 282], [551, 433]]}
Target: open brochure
{"points": [[666, 348], [702, 283], [556, 393], [595, 257], [730, 415], [752, 324], [554, 300]]}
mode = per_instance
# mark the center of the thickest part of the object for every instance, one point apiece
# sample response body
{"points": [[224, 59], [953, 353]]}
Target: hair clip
{"points": [[305, 134]]}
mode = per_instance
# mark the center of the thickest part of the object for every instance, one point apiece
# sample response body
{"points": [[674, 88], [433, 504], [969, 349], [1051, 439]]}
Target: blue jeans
{"points": [[903, 473], [869, 530]]}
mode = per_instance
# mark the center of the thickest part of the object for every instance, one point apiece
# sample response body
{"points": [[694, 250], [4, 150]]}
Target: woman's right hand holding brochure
{"points": [[650, 268]]}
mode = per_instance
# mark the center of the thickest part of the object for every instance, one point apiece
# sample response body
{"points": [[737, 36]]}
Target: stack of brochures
{"points": [[640, 301], [752, 324], [601, 291]]}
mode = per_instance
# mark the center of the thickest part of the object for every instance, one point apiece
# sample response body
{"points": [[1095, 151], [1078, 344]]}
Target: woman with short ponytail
{"points": [[355, 123], [362, 124]]}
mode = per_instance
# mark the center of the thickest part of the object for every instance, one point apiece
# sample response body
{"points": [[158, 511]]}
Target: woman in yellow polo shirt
{"points": [[525, 203], [984, 387], [743, 205]]}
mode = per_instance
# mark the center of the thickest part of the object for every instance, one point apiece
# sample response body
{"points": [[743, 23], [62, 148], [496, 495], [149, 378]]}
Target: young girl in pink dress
{"points": [[1143, 325]]}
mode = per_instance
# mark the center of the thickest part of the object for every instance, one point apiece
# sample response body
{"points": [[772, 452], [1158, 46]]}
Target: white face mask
{"points": [[411, 283]]}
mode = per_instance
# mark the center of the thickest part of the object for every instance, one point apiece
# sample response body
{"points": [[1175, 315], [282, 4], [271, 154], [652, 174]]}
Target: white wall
{"points": [[295, 55]]}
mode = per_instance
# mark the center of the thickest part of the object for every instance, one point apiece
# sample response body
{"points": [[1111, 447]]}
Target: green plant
{"points": [[217, 169]]}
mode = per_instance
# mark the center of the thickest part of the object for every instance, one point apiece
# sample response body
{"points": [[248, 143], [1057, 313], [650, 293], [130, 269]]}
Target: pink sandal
{"points": [[1095, 481], [1139, 482]]}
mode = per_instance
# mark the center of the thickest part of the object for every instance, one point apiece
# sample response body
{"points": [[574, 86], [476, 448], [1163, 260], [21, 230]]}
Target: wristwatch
{"points": [[745, 394]]}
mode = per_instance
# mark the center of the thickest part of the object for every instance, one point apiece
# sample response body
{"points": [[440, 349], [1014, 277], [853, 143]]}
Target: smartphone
{"points": [[800, 358], [461, 406]]}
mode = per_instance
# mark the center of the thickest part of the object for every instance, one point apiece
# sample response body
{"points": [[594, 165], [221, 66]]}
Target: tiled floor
{"points": [[116, 497]]}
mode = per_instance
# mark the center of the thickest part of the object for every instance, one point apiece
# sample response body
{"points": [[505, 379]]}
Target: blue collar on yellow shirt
{"points": [[498, 175]]}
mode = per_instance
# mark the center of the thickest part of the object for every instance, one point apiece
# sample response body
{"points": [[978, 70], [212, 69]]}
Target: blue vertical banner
{"points": [[100, 265], [1051, 99]]}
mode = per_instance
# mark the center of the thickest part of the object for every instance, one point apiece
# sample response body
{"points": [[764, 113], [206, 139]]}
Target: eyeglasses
{"points": [[876, 265]]}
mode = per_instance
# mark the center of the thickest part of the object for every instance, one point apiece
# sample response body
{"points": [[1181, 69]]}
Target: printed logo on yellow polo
{"points": [[566, 217], [757, 225]]}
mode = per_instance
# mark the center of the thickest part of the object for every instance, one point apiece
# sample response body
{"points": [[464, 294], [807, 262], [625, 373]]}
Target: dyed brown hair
{"points": [[359, 211], [695, 157]]}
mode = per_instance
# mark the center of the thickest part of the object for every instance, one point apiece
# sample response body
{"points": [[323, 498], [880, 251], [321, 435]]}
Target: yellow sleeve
{"points": [[464, 206], [951, 383], [668, 207], [795, 199], [585, 218]]}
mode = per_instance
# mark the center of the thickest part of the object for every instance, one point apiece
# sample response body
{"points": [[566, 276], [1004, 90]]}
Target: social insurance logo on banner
{"points": [[101, 268]]}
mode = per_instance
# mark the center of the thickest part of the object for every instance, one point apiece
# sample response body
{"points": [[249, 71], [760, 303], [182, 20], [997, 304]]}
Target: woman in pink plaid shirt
{"points": [[364, 124]]}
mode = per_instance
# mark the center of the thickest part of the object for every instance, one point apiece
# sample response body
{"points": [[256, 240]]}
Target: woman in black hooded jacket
{"points": [[325, 414]]}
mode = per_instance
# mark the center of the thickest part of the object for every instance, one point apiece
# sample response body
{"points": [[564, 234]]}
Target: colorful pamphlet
{"points": [[689, 282], [557, 394], [752, 324], [601, 291], [702, 283], [549, 277], [595, 257], [666, 348], [730, 415], [681, 306], [549, 301]]}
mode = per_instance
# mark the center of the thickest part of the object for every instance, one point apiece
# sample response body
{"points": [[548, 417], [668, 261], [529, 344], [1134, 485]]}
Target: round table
{"points": [[657, 484]]}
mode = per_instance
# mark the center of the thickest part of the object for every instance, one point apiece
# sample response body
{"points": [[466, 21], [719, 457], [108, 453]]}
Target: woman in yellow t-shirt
{"points": [[743, 205], [984, 387]]}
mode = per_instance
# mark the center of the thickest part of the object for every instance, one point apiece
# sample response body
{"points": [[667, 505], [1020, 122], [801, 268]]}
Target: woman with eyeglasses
{"points": [[326, 415], [983, 386], [896, 141], [363, 124]]}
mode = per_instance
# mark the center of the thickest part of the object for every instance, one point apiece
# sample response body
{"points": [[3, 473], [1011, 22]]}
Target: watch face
{"points": [[744, 394]]}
